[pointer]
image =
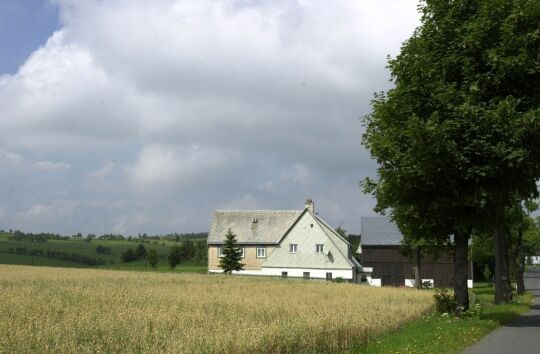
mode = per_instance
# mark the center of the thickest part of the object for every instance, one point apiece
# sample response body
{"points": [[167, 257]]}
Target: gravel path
{"points": [[519, 336]]}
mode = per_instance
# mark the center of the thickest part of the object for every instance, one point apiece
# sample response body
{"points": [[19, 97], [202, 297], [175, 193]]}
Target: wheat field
{"points": [[60, 310]]}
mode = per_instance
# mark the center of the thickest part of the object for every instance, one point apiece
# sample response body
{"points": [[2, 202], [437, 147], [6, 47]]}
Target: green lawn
{"points": [[447, 334], [88, 249]]}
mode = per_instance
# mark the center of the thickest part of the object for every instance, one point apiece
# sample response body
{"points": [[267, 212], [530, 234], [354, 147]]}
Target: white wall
{"points": [[296, 272]]}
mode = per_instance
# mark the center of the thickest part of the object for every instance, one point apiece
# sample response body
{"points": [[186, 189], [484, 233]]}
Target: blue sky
{"points": [[146, 116], [24, 26]]}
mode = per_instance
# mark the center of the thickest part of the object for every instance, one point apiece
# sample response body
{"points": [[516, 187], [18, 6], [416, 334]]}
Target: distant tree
{"points": [[341, 231], [129, 255], [231, 254], [140, 251], [175, 256], [152, 258], [188, 249], [103, 249]]}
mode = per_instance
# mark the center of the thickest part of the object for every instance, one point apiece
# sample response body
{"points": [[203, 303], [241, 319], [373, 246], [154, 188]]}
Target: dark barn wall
{"points": [[393, 268]]}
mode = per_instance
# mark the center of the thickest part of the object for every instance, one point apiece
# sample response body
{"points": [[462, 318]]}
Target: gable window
{"points": [[293, 247], [261, 252], [319, 248]]}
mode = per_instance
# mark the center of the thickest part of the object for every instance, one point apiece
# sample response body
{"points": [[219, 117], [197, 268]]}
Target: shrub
{"points": [[445, 302]]}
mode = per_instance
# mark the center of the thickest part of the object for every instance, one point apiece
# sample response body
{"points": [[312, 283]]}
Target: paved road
{"points": [[520, 336]]}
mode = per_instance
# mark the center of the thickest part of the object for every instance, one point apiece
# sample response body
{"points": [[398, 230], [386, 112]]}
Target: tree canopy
{"points": [[458, 137]]}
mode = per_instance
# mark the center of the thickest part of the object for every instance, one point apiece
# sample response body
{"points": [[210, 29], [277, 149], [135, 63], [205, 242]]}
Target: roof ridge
{"points": [[257, 211]]}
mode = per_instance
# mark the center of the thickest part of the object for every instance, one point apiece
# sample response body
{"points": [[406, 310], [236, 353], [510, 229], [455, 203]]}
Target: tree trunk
{"points": [[417, 271], [519, 263], [519, 276], [461, 291], [503, 289]]}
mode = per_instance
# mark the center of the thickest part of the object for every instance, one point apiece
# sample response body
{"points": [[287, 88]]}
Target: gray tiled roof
{"points": [[270, 227], [380, 230]]}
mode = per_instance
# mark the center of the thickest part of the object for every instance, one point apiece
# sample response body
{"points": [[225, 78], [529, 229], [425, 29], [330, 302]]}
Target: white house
{"points": [[285, 243]]}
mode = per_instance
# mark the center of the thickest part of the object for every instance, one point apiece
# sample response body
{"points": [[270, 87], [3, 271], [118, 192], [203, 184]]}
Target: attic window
{"points": [[255, 220], [311, 225]]}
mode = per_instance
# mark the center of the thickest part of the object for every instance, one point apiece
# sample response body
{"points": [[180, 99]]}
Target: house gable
{"points": [[306, 233]]}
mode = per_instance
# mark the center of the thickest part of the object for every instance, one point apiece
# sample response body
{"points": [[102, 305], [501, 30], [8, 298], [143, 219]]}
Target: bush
{"points": [[445, 302]]}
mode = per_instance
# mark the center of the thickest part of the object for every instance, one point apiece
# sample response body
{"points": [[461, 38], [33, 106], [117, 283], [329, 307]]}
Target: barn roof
{"points": [[380, 231], [252, 226]]}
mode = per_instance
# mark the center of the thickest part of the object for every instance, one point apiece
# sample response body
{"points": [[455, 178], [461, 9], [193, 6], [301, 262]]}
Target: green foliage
{"points": [[140, 251], [458, 137], [232, 255], [175, 256], [129, 255], [152, 258], [103, 249], [445, 302], [487, 273]]}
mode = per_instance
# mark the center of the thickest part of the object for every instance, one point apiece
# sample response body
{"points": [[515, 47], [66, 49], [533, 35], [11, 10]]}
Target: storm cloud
{"points": [[145, 116]]}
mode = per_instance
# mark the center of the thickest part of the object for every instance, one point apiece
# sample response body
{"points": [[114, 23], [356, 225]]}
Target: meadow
{"points": [[65, 310]]}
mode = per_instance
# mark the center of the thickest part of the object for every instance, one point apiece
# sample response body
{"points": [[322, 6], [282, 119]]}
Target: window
{"points": [[261, 252], [319, 248], [220, 252], [293, 247], [306, 275], [284, 274], [329, 276]]}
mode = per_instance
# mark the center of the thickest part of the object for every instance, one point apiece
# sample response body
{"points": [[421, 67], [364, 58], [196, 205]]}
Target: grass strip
{"points": [[447, 334]]}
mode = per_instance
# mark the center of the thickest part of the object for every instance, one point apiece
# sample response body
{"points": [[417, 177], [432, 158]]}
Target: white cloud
{"points": [[140, 111]]}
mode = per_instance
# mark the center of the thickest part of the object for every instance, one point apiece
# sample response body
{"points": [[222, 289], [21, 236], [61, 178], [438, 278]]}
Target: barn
{"points": [[381, 250]]}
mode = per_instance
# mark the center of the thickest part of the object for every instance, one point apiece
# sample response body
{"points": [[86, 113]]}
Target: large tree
{"points": [[458, 137]]}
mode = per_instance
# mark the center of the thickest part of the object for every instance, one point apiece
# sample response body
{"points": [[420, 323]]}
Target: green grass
{"points": [[448, 334], [85, 248], [17, 259], [162, 267]]}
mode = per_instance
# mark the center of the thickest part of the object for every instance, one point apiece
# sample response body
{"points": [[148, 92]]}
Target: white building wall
{"points": [[307, 233], [296, 272]]}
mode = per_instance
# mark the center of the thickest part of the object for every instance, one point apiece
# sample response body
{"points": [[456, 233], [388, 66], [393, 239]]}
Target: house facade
{"points": [[381, 250], [285, 243]]}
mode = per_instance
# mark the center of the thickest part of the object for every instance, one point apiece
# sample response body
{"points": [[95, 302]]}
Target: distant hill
{"points": [[102, 252]]}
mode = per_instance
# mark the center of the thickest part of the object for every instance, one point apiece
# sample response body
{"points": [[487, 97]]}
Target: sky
{"points": [[145, 116]]}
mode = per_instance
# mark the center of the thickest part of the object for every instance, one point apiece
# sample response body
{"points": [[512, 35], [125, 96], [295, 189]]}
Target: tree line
{"points": [[457, 139], [73, 257], [186, 250], [43, 236]]}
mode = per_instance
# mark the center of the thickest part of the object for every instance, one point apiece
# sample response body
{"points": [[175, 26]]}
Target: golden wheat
{"points": [[95, 311]]}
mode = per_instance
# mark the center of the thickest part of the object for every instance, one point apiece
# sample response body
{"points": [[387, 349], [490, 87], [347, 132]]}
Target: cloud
{"points": [[153, 114]]}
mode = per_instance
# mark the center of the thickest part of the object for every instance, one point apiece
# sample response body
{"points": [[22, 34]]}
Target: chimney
{"points": [[310, 206]]}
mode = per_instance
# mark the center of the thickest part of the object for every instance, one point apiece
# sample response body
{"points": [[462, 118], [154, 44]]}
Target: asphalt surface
{"points": [[519, 336]]}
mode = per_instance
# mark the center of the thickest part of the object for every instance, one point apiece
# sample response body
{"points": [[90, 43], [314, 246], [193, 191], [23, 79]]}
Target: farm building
{"points": [[285, 243], [381, 250]]}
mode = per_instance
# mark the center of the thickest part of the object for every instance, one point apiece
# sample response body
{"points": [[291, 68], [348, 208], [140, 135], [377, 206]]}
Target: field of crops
{"points": [[64, 310]]}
